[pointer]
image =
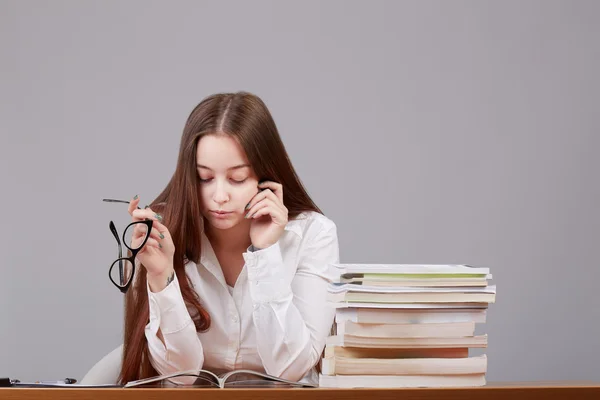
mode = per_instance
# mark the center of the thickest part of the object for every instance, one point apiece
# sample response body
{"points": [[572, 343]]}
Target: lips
{"points": [[220, 212]]}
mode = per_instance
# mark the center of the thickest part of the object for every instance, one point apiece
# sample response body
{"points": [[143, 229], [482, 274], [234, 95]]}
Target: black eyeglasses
{"points": [[122, 270]]}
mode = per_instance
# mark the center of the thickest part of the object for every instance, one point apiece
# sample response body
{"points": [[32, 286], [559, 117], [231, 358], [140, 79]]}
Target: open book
{"points": [[238, 379]]}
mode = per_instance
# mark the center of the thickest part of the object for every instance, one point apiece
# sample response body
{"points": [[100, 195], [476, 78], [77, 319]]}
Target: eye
{"points": [[206, 180], [238, 182]]}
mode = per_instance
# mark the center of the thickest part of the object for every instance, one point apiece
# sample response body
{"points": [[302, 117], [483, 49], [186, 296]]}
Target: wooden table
{"points": [[570, 390]]}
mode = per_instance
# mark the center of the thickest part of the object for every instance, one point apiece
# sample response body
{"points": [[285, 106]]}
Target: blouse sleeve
{"points": [[182, 349], [291, 313]]}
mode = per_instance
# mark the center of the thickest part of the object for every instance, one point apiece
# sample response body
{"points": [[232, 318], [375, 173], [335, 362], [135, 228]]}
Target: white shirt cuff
{"points": [[269, 280]]}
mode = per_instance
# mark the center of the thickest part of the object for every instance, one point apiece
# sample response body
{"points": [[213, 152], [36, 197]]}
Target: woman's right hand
{"points": [[157, 253]]}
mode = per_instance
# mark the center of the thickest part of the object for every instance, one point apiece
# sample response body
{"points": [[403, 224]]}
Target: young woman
{"points": [[234, 274]]}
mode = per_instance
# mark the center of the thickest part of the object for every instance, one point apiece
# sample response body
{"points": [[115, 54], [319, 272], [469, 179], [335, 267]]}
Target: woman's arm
{"points": [[173, 341], [291, 312]]}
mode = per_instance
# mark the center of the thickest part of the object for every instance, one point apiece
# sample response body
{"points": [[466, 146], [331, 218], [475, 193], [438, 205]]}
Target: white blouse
{"points": [[274, 320]]}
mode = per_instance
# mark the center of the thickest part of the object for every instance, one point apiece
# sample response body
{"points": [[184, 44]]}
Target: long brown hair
{"points": [[244, 117]]}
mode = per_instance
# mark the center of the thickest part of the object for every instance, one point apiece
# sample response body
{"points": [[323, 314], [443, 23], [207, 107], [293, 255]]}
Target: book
{"points": [[400, 381], [443, 270], [392, 281], [203, 378], [406, 325], [347, 292], [411, 297], [432, 306], [374, 352], [242, 378], [348, 287], [338, 365], [432, 330], [479, 341], [406, 316]]}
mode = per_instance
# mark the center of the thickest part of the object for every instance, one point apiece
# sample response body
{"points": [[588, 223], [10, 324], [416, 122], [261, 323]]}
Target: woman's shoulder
{"points": [[308, 222]]}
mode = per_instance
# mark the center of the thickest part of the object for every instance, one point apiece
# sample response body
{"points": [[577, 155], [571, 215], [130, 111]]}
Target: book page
{"points": [[248, 378], [203, 379]]}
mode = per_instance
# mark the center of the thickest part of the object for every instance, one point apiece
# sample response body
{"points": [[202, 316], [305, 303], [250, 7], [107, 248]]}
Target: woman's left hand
{"points": [[268, 214]]}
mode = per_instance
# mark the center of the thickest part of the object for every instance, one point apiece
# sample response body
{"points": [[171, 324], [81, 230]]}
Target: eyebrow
{"points": [[234, 167]]}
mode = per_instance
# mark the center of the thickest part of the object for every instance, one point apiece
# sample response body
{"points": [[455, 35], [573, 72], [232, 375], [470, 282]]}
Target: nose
{"points": [[220, 196]]}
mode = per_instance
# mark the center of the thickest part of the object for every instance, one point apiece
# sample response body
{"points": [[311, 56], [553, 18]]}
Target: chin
{"points": [[223, 224]]}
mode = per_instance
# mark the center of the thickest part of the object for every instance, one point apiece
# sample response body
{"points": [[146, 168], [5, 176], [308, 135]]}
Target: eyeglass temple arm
{"points": [[113, 229], [119, 201]]}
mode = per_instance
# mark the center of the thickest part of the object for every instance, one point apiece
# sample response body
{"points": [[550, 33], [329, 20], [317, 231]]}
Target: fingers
{"points": [[275, 187], [265, 194], [151, 242], [144, 214], [268, 207], [141, 214], [156, 235], [158, 229], [133, 203], [162, 229], [140, 229], [140, 232], [257, 206], [160, 233], [276, 215], [268, 202]]}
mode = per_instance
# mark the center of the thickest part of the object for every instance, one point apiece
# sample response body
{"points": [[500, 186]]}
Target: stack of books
{"points": [[404, 325]]}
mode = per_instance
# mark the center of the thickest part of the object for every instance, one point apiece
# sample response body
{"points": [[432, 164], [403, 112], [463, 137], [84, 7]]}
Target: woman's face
{"points": [[227, 182]]}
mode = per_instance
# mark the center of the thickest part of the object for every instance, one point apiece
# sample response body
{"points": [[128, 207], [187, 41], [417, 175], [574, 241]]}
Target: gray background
{"points": [[429, 131]]}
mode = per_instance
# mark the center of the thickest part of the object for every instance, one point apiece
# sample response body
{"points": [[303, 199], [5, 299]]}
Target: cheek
{"points": [[204, 196], [246, 194]]}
